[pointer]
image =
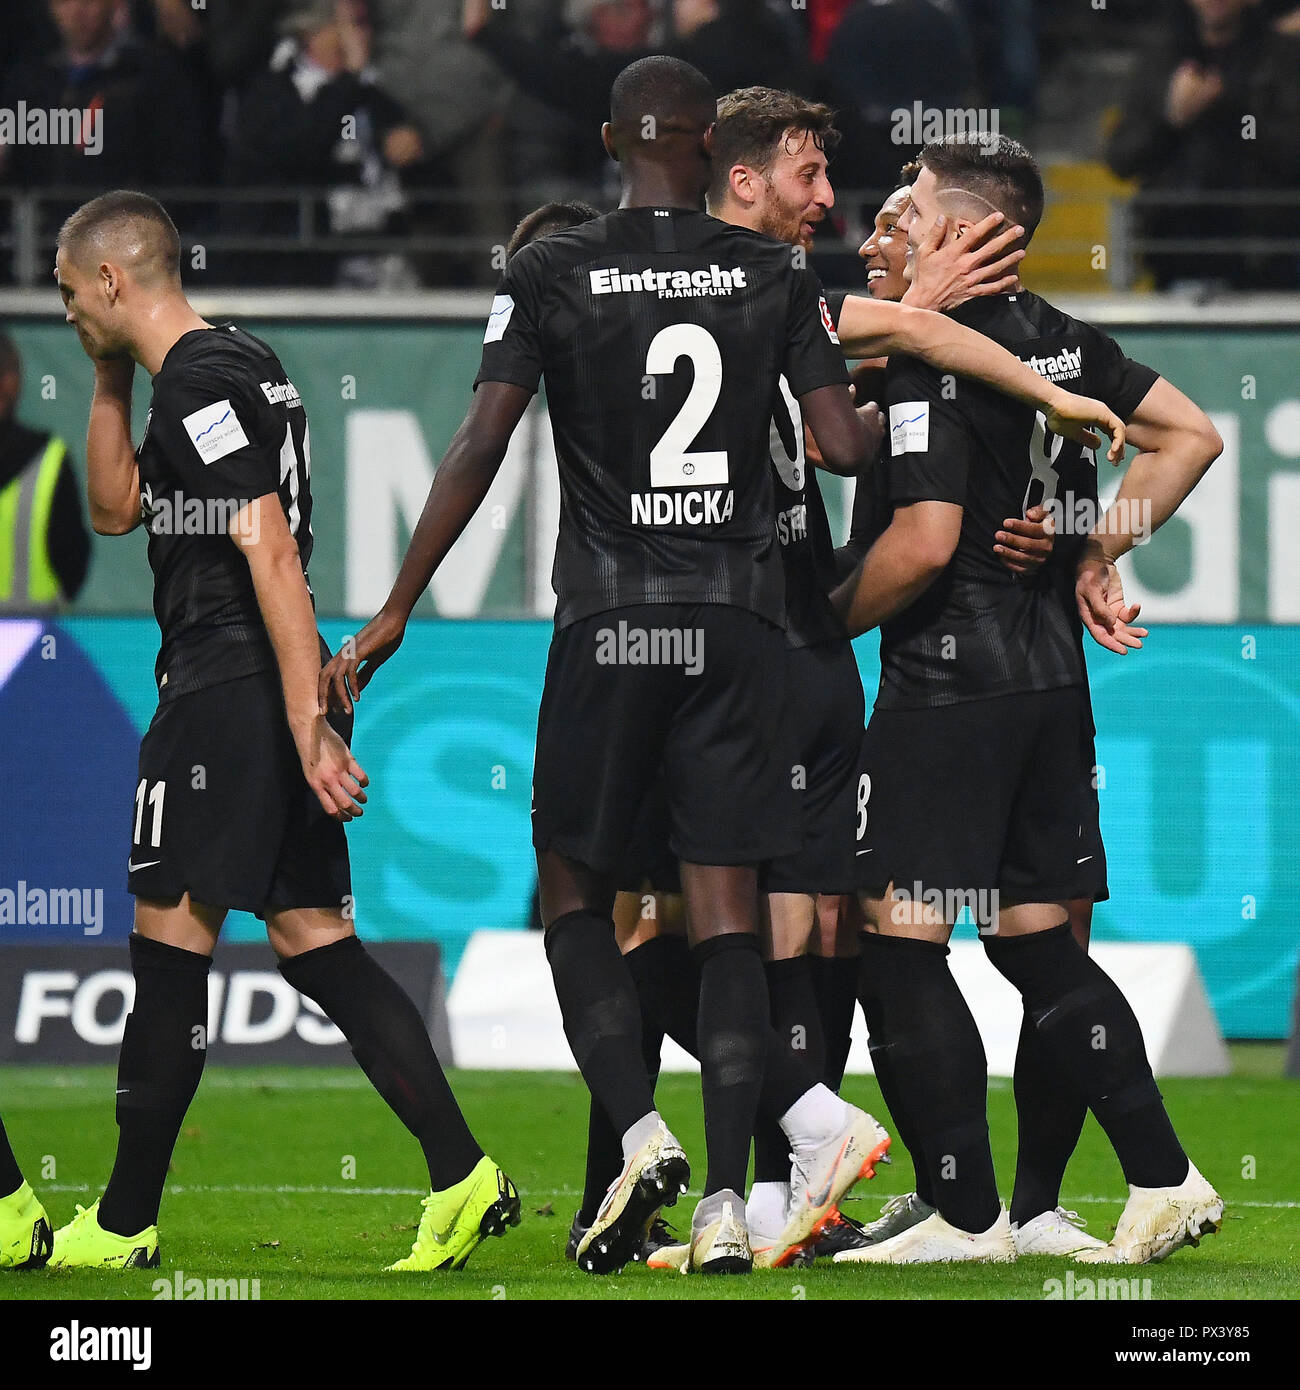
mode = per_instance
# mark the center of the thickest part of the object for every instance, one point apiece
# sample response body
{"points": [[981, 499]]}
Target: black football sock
{"points": [[936, 1058], [604, 1162], [835, 982], [164, 1047], [1049, 1117], [1093, 1037], [733, 1034], [389, 1039], [11, 1175], [881, 1064], [797, 1023], [602, 1018], [652, 965], [682, 996]]}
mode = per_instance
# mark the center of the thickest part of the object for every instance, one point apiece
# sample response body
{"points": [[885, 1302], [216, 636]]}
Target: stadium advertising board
{"points": [[69, 1004], [1203, 720], [385, 398]]}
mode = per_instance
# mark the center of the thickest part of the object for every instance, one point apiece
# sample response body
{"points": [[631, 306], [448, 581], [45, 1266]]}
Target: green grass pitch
{"points": [[303, 1180]]}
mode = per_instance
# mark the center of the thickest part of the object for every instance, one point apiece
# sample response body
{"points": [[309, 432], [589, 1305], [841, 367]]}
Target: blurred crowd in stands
{"points": [[452, 117]]}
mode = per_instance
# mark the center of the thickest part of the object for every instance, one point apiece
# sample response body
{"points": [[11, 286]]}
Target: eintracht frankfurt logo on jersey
{"points": [[669, 284], [1064, 366]]}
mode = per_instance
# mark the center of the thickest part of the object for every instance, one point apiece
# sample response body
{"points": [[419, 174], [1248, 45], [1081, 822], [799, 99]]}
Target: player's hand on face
{"points": [[349, 671], [1025, 542], [1099, 593], [1080, 417], [331, 771], [947, 269], [114, 375]]}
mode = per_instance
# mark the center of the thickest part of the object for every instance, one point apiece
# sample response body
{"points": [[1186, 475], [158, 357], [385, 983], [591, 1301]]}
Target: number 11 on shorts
{"points": [[155, 799]]}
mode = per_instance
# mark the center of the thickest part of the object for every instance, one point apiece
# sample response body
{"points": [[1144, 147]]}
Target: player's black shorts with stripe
{"points": [[979, 795], [223, 812], [694, 689], [824, 710]]}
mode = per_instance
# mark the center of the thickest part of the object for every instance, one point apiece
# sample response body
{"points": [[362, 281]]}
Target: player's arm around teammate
{"points": [[1176, 443], [870, 328]]}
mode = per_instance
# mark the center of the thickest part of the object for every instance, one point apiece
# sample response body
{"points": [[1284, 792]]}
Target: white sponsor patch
{"points": [[909, 428], [215, 431], [502, 307]]}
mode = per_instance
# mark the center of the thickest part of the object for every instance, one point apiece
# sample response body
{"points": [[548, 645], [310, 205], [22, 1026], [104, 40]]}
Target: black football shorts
{"points": [[223, 812], [824, 710], [989, 794], [693, 689], [1091, 848], [648, 858]]}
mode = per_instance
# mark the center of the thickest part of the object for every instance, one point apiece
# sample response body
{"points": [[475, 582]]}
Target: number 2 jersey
{"points": [[979, 631], [661, 334], [225, 426]]}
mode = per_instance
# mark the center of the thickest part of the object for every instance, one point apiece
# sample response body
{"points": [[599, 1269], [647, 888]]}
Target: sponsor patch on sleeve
{"points": [[828, 323], [909, 428], [502, 307], [215, 431]]}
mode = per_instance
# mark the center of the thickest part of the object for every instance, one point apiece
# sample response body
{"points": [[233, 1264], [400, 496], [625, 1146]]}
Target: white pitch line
{"points": [[289, 1190]]}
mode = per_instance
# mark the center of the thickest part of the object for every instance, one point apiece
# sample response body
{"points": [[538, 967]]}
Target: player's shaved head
{"points": [[978, 174], [546, 221], [127, 229], [656, 104]]}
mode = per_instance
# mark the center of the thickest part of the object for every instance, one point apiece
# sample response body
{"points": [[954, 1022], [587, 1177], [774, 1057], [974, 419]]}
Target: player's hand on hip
{"points": [[336, 777], [949, 269], [1080, 417], [348, 672], [1099, 593], [1025, 542]]}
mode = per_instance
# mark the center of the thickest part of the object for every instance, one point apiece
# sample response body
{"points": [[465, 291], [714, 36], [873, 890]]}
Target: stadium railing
{"points": [[28, 219]]}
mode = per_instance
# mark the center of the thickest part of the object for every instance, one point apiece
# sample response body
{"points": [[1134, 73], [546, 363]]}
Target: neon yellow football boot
{"points": [[84, 1244], [457, 1219], [24, 1231]]}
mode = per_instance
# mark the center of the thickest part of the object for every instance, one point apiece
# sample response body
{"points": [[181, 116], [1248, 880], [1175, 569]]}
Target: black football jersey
{"points": [[225, 426], [802, 531], [980, 631], [661, 334]]}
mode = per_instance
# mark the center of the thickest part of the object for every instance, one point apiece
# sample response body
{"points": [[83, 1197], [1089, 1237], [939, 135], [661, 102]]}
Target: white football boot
{"points": [[896, 1216], [1057, 1232], [1156, 1221], [720, 1237], [819, 1178], [934, 1241]]}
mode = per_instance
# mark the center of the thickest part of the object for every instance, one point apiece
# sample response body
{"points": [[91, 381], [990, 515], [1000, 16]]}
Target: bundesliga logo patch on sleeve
{"points": [[828, 323], [502, 307], [909, 428], [215, 431]]}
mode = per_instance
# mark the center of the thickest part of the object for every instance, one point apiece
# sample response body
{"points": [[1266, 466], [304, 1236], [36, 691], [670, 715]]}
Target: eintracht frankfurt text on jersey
{"points": [[662, 335]]}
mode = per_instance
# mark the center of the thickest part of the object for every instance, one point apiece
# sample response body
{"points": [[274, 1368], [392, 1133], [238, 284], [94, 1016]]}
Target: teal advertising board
{"points": [[1198, 755], [384, 400]]}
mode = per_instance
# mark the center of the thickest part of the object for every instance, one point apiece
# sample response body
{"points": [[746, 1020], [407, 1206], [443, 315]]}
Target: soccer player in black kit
{"points": [[661, 334], [973, 787], [244, 785]]}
